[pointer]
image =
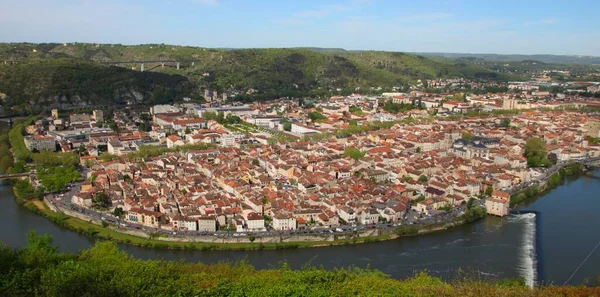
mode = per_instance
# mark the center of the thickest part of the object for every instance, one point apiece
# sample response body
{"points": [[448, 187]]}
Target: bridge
{"points": [[9, 121], [155, 63], [14, 176]]}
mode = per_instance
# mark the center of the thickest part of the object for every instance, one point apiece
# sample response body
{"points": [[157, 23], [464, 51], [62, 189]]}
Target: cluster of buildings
{"points": [[426, 165]]}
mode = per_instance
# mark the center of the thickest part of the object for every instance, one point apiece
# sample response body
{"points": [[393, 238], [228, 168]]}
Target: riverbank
{"points": [[111, 232], [570, 171]]}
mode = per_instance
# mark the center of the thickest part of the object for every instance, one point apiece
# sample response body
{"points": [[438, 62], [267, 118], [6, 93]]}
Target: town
{"points": [[351, 162]]}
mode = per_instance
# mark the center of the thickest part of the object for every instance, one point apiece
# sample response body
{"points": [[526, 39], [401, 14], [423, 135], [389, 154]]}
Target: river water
{"points": [[546, 247]]}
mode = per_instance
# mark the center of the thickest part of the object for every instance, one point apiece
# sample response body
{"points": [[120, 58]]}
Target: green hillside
{"points": [[33, 73], [39, 270]]}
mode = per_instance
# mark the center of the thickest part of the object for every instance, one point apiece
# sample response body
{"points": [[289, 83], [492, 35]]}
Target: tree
{"points": [[505, 122], [423, 178], [354, 153], [535, 152], [353, 123], [255, 162], [419, 150], [101, 200], [287, 126], [5, 163], [466, 136], [316, 116], [187, 130], [489, 190]]}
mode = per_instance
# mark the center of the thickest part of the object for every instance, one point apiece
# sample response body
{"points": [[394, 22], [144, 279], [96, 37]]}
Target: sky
{"points": [[456, 26]]}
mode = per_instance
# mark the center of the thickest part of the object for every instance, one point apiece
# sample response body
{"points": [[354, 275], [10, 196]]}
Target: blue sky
{"points": [[465, 26]]}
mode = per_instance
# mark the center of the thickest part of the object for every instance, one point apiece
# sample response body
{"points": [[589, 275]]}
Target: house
{"points": [[369, 216], [207, 224], [498, 204], [40, 143], [284, 222], [255, 222], [82, 199], [180, 222], [174, 141], [145, 217], [347, 214]]}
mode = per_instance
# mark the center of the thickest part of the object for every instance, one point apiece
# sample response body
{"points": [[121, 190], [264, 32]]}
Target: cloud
{"points": [[206, 2], [428, 17], [541, 22]]}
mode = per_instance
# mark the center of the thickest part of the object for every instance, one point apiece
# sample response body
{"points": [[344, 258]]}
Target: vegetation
{"points": [[316, 116], [102, 270], [391, 107], [466, 136], [354, 153], [356, 110], [591, 139], [473, 214], [535, 151], [32, 85], [74, 71]]}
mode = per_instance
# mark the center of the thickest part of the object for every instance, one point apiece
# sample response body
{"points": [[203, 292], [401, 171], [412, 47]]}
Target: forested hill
{"points": [[31, 74], [39, 270]]}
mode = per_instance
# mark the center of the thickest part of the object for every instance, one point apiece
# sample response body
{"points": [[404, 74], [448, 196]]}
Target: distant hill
{"points": [[31, 74], [552, 59]]}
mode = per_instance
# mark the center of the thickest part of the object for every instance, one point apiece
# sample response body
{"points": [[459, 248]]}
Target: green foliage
{"points": [[466, 136], [316, 116], [102, 84], [591, 139], [474, 214], [406, 230], [535, 151], [103, 270], [287, 126], [118, 212], [354, 153], [57, 70], [505, 122], [23, 190], [489, 190], [355, 110], [56, 178], [17, 143], [101, 200], [392, 107], [423, 178]]}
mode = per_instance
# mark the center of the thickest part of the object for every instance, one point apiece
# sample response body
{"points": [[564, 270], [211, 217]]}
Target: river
{"points": [[545, 248]]}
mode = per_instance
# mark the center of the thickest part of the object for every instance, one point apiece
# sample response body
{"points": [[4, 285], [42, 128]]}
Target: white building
{"points": [[369, 217], [498, 204], [302, 129], [347, 214], [165, 108], [207, 224], [284, 222], [40, 143], [255, 222]]}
